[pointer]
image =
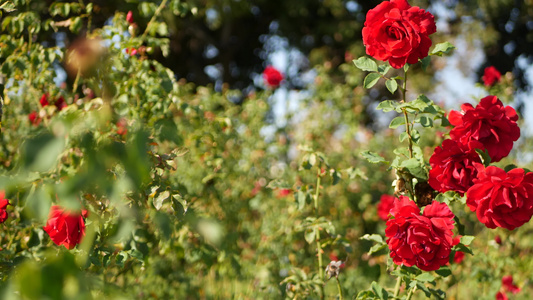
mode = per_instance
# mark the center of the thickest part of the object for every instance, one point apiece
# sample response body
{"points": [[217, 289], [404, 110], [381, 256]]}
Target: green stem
{"points": [[156, 13], [411, 292], [76, 81], [317, 234], [397, 287], [341, 297], [407, 128]]}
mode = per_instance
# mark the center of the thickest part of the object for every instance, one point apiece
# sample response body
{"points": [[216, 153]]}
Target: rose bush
{"points": [[423, 240], [502, 199], [65, 227], [490, 123], [397, 32]]}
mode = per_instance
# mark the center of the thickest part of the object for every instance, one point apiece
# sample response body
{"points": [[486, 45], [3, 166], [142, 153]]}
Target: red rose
{"points": [[3, 204], [44, 100], [272, 77], [398, 32], [498, 240], [453, 166], [423, 240], [490, 123], [508, 285], [284, 192], [65, 228], [386, 203], [122, 127], [502, 199], [491, 75]]}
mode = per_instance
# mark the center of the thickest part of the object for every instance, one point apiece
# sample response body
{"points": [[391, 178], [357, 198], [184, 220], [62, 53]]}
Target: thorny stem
{"points": [[407, 128], [317, 234], [341, 297], [397, 287]]}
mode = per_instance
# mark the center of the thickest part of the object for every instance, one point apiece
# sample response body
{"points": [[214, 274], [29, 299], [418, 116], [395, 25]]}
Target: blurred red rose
{"points": [[398, 32], [453, 166], [272, 77], [122, 127], [502, 199], [44, 100], [34, 118], [490, 123], [422, 240], [498, 240], [508, 285], [3, 204], [60, 103], [129, 17], [65, 228], [501, 296], [386, 202], [490, 76]]}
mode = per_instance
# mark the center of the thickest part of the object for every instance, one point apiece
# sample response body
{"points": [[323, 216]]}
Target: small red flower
{"points": [[44, 100], [60, 103], [508, 285], [65, 228], [34, 118], [129, 17], [132, 51], [398, 32], [284, 192], [459, 257], [3, 204], [423, 240], [489, 123], [502, 199], [498, 240], [491, 75], [122, 127], [272, 77], [386, 203], [501, 296]]}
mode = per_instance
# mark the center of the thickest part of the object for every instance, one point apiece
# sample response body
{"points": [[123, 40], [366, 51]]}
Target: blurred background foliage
{"points": [[199, 180]]}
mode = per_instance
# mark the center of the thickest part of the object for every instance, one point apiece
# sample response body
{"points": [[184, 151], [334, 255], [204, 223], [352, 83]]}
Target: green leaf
{"points": [[373, 157], [391, 85], [485, 157], [309, 235], [444, 271], [380, 292], [425, 121], [371, 80], [415, 167], [442, 48], [467, 239], [384, 69], [396, 122], [376, 248], [373, 237], [366, 64], [425, 62], [278, 184], [425, 277], [387, 105], [158, 201]]}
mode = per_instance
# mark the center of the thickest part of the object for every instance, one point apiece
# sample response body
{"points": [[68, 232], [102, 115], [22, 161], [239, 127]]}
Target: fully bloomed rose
{"points": [[423, 240], [272, 77], [398, 32], [65, 228], [489, 123], [490, 76], [386, 203], [453, 166], [502, 199]]}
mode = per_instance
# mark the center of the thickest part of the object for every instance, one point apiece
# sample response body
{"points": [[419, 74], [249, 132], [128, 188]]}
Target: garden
{"points": [[320, 149]]}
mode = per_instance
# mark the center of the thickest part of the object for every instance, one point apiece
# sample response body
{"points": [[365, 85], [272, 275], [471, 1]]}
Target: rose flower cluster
{"points": [[499, 198]]}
